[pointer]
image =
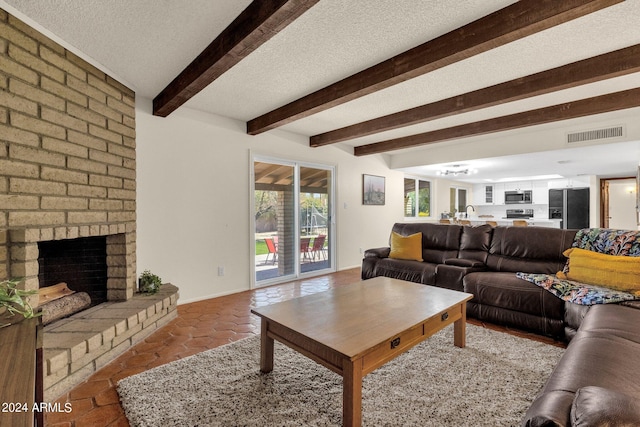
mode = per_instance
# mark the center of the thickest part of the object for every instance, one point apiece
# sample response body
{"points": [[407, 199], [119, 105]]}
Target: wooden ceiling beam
{"points": [[570, 110], [606, 66], [260, 21], [513, 22]]}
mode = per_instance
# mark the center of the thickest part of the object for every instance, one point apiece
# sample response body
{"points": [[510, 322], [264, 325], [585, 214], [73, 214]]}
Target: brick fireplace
{"points": [[79, 263], [68, 171], [24, 253]]}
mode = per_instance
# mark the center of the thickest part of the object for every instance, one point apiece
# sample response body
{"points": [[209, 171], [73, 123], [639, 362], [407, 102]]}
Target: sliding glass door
{"points": [[315, 225], [292, 212]]}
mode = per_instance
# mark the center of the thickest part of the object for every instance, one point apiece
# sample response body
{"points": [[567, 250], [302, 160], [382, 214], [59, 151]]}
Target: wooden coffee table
{"points": [[355, 329]]}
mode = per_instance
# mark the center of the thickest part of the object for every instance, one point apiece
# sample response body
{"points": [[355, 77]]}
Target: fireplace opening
{"points": [[80, 263]]}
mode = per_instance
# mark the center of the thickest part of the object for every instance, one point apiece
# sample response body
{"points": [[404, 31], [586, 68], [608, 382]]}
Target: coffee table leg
{"points": [[352, 393], [266, 348], [460, 328]]}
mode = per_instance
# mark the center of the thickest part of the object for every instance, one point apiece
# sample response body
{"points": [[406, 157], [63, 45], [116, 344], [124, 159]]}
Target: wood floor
{"points": [[199, 326]]}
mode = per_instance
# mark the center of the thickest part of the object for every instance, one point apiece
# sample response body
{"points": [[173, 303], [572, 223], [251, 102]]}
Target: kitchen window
{"points": [[417, 198]]}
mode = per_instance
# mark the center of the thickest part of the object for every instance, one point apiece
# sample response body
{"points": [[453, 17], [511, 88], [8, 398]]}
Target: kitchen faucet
{"points": [[466, 215]]}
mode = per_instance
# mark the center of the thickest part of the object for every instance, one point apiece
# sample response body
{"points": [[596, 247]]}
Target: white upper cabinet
{"points": [[569, 183], [484, 194]]}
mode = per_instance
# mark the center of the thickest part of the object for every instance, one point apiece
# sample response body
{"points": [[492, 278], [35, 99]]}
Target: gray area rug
{"points": [[491, 382]]}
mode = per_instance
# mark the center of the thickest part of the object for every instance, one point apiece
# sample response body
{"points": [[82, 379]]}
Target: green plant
{"points": [[149, 283], [14, 300]]}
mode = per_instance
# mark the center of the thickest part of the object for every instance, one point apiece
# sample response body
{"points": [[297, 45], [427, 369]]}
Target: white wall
{"points": [[193, 198]]}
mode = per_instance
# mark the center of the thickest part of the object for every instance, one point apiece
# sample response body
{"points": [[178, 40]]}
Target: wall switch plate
{"points": [[220, 271]]}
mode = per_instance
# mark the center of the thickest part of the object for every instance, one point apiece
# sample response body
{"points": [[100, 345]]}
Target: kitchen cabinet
{"points": [[483, 194], [517, 186], [498, 194], [569, 183], [540, 193]]}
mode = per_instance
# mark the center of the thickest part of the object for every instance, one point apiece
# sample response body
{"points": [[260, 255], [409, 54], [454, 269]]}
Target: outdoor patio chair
{"points": [[318, 247], [273, 250], [304, 248]]}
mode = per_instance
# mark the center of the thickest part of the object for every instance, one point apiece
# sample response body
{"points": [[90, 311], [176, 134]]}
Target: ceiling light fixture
{"points": [[456, 172]]}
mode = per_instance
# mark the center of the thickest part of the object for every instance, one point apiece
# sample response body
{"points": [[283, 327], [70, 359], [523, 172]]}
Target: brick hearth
{"points": [[76, 347]]}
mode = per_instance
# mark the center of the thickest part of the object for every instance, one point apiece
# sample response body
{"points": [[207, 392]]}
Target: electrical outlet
{"points": [[221, 271]]}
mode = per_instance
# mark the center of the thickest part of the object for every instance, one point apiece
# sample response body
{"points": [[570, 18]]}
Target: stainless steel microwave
{"points": [[517, 197]]}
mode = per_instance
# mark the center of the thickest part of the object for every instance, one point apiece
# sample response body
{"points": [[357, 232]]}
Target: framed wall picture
{"points": [[373, 190]]}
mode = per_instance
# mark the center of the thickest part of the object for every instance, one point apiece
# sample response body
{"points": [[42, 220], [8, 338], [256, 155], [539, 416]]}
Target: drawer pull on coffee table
{"points": [[395, 343], [445, 316]]}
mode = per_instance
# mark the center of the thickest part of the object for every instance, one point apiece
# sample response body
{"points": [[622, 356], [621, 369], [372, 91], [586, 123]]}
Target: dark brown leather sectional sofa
{"points": [[483, 261], [596, 381]]}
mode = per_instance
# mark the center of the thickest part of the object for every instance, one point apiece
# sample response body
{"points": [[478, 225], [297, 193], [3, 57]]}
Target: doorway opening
{"points": [[618, 199]]}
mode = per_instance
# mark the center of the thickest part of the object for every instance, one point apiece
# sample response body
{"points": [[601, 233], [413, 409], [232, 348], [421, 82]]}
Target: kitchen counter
{"points": [[537, 222]]}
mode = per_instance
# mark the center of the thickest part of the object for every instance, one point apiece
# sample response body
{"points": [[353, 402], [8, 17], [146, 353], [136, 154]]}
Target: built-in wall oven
{"points": [[517, 197]]}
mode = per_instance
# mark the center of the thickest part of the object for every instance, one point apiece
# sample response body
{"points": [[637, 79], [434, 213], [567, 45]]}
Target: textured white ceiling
{"points": [[331, 41], [146, 43]]}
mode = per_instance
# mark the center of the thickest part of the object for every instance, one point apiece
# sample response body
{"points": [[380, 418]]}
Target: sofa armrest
{"points": [[597, 406], [468, 263], [377, 253], [450, 276], [550, 409]]}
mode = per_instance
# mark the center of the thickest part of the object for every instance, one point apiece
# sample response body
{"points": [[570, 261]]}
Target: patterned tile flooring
{"points": [[199, 326]]}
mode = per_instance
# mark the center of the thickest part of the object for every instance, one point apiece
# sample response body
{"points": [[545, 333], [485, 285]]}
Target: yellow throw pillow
{"points": [[406, 247], [621, 273]]}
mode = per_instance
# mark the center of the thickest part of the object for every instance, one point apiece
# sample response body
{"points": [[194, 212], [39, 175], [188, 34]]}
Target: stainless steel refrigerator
{"points": [[571, 205]]}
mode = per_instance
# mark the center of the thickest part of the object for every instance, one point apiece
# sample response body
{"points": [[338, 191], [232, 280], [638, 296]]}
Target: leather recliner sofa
{"points": [[483, 261], [595, 382]]}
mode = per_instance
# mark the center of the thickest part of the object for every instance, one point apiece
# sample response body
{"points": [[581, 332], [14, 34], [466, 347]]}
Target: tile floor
{"points": [[199, 326]]}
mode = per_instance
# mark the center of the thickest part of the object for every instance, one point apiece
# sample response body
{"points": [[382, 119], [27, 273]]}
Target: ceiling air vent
{"points": [[595, 135]]}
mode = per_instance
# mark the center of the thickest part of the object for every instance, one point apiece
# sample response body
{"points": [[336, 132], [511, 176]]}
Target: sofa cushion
{"points": [[601, 407], [529, 249], [475, 242], [615, 272], [406, 247], [505, 290]]}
